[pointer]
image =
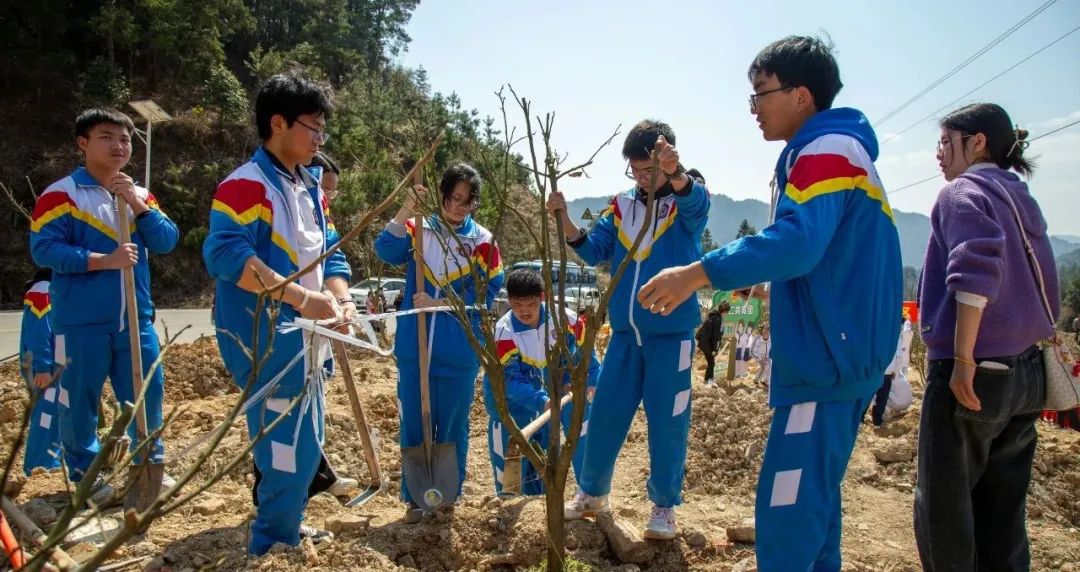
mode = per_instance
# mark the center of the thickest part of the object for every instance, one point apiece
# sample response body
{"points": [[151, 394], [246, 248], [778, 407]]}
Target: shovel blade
{"points": [[511, 484], [434, 485], [364, 496], [144, 482]]}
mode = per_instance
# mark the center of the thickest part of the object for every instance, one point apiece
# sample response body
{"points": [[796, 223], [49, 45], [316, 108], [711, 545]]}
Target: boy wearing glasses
{"points": [[269, 219], [74, 233], [648, 359], [833, 256]]}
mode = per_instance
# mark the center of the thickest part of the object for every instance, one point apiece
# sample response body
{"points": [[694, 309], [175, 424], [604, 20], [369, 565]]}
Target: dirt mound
{"points": [[727, 437], [196, 370]]}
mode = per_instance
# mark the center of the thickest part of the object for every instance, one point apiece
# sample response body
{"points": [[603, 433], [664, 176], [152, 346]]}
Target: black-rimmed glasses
{"points": [[319, 136], [755, 98]]}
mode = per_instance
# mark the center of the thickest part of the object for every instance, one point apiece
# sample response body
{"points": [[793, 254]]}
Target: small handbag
{"points": [[1062, 381]]}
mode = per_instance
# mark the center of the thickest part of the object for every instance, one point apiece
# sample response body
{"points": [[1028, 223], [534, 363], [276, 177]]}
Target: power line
{"points": [[980, 86], [936, 175], [966, 62], [1062, 128]]}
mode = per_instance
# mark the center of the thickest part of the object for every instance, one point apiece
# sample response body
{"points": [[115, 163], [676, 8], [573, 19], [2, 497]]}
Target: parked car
{"points": [[391, 288], [578, 298]]}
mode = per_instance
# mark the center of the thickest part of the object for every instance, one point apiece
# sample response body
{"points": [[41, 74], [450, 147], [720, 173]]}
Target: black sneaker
{"points": [[413, 513]]}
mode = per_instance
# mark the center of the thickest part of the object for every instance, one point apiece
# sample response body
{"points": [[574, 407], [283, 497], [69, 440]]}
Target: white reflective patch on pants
{"points": [[785, 489], [682, 401], [282, 457], [685, 355], [46, 420], [278, 404], [801, 418], [497, 440], [499, 476], [64, 398], [50, 395], [60, 350], [584, 428]]}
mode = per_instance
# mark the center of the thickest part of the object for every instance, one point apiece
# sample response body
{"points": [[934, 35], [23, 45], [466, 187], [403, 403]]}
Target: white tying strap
{"points": [[323, 327]]}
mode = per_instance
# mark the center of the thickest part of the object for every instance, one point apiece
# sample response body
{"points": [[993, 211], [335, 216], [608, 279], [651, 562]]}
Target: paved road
{"points": [[199, 320]]}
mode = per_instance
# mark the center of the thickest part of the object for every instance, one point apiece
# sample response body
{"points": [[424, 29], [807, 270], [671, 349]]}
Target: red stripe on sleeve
{"points": [[810, 169]]}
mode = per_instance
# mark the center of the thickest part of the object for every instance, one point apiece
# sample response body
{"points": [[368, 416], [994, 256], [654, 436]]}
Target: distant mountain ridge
{"points": [[725, 214]]}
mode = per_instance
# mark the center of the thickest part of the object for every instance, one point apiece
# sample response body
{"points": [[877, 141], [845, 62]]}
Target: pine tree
{"points": [[745, 229]]}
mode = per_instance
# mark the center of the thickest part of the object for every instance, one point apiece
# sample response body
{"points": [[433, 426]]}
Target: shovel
{"points": [[144, 478], [377, 481], [513, 459], [431, 471]]}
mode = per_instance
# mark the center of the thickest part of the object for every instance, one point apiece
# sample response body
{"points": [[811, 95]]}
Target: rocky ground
{"points": [[727, 437]]}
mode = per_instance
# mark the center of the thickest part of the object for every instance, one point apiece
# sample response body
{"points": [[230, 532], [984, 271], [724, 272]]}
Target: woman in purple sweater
{"points": [[983, 315]]}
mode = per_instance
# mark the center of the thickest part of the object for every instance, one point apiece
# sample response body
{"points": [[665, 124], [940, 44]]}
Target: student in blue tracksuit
{"points": [[519, 341], [74, 233], [463, 263], [649, 357], [833, 257], [269, 219], [36, 348]]}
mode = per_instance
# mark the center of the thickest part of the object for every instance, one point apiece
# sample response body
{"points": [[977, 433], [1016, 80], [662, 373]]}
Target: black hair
{"points": [[460, 173], [93, 117], [696, 175], [524, 283], [801, 61], [39, 275], [1004, 143], [642, 138], [290, 96], [326, 162], [723, 307]]}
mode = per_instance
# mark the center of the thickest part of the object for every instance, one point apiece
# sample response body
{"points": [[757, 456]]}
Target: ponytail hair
{"points": [[1004, 142]]}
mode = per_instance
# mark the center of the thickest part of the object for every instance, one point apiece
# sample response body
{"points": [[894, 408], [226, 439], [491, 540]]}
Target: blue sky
{"points": [[601, 64]]}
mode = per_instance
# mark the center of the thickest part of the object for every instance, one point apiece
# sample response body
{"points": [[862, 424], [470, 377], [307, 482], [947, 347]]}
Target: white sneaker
{"points": [[661, 524], [167, 482], [709, 382], [318, 537], [585, 505], [344, 487]]}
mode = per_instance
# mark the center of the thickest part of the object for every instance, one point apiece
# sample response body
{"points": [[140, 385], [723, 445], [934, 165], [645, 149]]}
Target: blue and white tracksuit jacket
{"points": [[36, 349], [251, 216], [449, 263], [833, 258], [73, 218], [522, 351], [648, 359]]}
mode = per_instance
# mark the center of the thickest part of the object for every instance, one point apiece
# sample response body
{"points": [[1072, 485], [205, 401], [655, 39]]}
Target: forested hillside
{"points": [[202, 62]]}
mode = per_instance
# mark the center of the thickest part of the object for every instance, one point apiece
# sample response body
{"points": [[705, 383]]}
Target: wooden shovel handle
{"points": [[132, 310], [342, 360], [421, 320], [529, 430]]}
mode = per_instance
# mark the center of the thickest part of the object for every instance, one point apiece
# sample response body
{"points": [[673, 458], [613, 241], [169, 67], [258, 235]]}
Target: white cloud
{"points": [[1051, 124]]}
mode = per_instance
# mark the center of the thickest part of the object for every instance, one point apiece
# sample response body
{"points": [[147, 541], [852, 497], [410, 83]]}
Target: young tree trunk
{"points": [[556, 523]]}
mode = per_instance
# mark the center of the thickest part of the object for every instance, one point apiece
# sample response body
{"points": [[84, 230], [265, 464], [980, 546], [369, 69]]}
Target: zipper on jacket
{"points": [[123, 293], [637, 276]]}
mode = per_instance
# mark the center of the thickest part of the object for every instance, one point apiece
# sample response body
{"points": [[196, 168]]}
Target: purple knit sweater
{"points": [[975, 246]]}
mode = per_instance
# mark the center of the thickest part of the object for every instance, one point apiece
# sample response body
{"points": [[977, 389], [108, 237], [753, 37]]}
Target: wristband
{"points": [[304, 301]]}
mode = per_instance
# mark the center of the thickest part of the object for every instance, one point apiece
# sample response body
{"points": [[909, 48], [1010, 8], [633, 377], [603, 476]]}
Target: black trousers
{"points": [[975, 466], [710, 364], [325, 477], [881, 399]]}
